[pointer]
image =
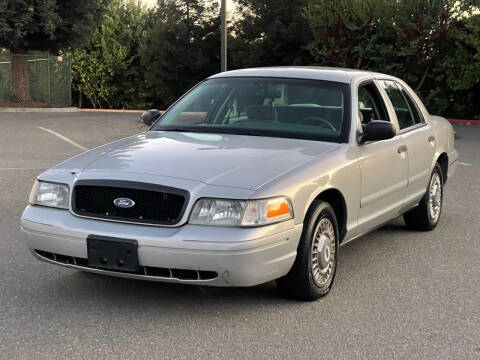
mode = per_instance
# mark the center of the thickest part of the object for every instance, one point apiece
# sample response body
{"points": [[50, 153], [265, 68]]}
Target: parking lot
{"points": [[398, 294]]}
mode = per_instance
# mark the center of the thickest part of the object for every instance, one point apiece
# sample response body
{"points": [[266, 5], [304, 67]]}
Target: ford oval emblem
{"points": [[124, 203]]}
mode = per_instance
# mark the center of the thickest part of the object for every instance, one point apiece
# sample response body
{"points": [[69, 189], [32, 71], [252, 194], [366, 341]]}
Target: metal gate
{"points": [[35, 81]]}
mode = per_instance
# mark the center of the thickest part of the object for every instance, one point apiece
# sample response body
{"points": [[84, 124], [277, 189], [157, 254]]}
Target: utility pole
{"points": [[223, 31]]}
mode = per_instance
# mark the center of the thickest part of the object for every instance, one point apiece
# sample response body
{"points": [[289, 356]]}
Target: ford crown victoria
{"points": [[253, 175]]}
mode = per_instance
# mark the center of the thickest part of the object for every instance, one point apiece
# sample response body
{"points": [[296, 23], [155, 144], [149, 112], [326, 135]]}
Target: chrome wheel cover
{"points": [[323, 252], [435, 197]]}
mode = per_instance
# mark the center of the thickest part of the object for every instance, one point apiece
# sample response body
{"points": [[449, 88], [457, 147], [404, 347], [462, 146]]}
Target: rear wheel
{"points": [[315, 266], [427, 214]]}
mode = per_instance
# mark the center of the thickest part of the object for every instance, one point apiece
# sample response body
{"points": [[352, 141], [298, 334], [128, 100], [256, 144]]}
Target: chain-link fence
{"points": [[35, 81]]}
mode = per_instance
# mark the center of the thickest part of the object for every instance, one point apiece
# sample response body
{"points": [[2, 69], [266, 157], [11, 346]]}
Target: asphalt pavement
{"points": [[398, 294]]}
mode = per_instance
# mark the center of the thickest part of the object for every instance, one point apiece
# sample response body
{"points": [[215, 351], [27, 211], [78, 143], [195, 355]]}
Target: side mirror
{"points": [[377, 130], [149, 116]]}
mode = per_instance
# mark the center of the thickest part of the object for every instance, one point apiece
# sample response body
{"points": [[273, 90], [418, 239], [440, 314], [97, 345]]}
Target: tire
{"points": [[313, 271], [426, 215]]}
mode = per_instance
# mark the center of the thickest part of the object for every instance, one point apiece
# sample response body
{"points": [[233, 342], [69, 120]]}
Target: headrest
{"points": [[261, 112]]}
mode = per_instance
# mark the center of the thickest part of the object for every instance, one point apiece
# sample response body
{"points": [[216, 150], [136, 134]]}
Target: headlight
{"points": [[49, 194], [225, 212]]}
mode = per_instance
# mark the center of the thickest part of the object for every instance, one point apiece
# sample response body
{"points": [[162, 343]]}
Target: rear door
{"points": [[418, 137], [383, 165]]}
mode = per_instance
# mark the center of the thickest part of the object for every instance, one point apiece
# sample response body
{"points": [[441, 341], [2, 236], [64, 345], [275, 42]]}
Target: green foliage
{"points": [[108, 70], [462, 68], [405, 38], [137, 58], [342, 30], [269, 33], [455, 75], [182, 49], [46, 24], [43, 25]]}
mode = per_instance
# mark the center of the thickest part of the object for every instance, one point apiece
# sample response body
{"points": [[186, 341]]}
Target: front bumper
{"points": [[240, 256]]}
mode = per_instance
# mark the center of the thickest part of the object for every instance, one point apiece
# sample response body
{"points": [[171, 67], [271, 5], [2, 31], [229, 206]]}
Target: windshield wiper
{"points": [[247, 132], [178, 129]]}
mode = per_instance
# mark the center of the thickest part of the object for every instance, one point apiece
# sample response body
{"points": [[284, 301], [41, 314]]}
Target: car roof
{"points": [[302, 72]]}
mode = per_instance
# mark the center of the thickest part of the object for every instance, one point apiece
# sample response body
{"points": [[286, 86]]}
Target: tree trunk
{"points": [[424, 76], [20, 82]]}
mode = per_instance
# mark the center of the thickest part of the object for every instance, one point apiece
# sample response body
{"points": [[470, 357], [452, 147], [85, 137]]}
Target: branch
{"points": [[423, 79]]}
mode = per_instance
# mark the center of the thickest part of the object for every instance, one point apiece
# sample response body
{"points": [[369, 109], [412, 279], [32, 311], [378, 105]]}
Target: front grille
{"points": [[154, 204], [150, 271]]}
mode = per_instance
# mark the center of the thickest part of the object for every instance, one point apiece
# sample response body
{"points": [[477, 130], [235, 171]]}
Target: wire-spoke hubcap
{"points": [[323, 252], [435, 197]]}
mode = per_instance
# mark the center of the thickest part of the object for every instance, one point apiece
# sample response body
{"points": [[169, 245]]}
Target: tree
{"points": [[43, 25], [183, 48], [455, 75], [269, 33], [401, 38], [107, 70], [342, 30]]}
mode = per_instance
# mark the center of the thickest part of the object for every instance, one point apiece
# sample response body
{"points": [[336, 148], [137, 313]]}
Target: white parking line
{"points": [[464, 164], [64, 138]]}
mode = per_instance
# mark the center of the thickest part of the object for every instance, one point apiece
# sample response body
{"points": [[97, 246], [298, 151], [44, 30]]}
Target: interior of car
{"points": [[292, 106], [370, 105], [327, 116]]}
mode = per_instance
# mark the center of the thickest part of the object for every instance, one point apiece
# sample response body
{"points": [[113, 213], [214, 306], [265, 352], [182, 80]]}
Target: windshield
{"points": [[275, 107]]}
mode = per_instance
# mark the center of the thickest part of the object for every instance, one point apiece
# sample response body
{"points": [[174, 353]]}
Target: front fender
{"points": [[306, 183]]}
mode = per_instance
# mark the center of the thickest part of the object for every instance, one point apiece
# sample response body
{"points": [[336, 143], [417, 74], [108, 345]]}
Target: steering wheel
{"points": [[319, 120]]}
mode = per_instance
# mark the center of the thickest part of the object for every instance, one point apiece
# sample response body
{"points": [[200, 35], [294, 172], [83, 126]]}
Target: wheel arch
{"points": [[443, 162], [336, 199]]}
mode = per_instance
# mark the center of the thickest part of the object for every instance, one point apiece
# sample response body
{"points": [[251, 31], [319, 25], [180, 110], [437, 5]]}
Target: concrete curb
{"points": [[37, 110], [111, 111], [465, 122]]}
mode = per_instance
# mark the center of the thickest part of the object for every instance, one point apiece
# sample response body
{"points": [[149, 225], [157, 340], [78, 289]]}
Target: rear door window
{"points": [[417, 115], [400, 104]]}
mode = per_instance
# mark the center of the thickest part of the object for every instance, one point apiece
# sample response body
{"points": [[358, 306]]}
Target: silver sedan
{"points": [[253, 175]]}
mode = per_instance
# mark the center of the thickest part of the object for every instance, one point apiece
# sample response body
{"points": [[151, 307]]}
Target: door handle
{"points": [[431, 139], [402, 149]]}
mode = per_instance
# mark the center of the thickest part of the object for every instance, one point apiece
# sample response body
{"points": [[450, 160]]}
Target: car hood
{"points": [[216, 159]]}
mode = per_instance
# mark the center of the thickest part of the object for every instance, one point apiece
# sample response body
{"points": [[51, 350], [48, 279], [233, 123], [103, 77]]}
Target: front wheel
{"points": [[315, 266], [426, 215]]}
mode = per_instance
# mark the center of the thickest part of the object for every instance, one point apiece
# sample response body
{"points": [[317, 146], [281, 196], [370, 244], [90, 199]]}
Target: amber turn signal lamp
{"points": [[278, 208]]}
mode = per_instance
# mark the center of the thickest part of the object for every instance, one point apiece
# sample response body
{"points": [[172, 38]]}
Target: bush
{"points": [[141, 58]]}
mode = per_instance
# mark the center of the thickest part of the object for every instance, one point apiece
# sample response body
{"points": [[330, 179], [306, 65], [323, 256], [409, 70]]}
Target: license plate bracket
{"points": [[112, 253]]}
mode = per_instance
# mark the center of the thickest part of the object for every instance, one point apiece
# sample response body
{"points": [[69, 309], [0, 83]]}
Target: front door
{"points": [[383, 166]]}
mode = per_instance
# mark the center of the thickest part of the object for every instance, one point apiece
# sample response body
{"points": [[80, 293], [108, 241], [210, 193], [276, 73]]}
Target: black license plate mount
{"points": [[112, 253]]}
